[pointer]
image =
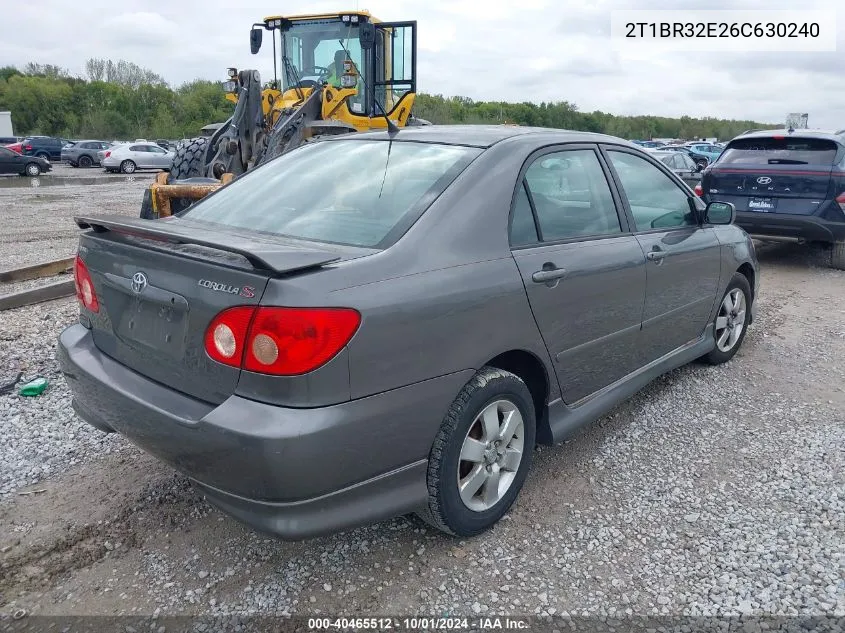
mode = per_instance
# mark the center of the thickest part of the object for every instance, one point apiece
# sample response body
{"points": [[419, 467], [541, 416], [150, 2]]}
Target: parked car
{"points": [[12, 162], [132, 156], [101, 154], [684, 167], [699, 159], [785, 186], [650, 144], [709, 150], [46, 147], [356, 349], [84, 153]]}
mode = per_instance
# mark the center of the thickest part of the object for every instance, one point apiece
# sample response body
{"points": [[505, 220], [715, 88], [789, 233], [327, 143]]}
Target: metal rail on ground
{"points": [[54, 290]]}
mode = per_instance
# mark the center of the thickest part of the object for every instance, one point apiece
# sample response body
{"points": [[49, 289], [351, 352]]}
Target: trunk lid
{"points": [[160, 284]]}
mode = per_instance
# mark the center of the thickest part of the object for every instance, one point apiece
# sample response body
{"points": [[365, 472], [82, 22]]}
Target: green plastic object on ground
{"points": [[34, 387]]}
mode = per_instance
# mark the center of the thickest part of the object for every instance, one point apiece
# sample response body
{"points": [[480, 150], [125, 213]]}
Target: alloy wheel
{"points": [[731, 320], [490, 455]]}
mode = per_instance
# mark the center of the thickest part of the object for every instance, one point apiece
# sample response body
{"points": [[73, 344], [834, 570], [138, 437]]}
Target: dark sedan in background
{"points": [[13, 163], [372, 325]]}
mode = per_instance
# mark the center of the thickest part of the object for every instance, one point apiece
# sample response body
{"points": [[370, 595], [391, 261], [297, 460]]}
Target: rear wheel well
{"points": [[748, 272], [533, 373]]}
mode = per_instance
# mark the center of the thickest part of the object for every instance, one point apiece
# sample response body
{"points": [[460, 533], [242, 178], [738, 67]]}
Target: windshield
{"points": [[315, 49], [782, 151], [353, 192]]}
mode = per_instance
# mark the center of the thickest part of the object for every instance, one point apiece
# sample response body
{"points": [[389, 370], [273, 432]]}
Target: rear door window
{"points": [[571, 196], [354, 192], [779, 151]]}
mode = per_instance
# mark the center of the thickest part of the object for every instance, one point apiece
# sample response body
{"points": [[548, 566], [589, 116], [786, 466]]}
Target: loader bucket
{"points": [[162, 193]]}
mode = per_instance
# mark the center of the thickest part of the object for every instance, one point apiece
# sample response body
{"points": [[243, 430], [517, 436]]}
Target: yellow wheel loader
{"points": [[340, 73]]}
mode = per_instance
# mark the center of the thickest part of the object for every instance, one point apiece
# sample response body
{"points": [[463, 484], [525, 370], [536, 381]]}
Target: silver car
{"points": [[132, 156]]}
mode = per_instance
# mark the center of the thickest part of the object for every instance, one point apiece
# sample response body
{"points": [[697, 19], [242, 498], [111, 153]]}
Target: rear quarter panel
{"points": [[737, 250]]}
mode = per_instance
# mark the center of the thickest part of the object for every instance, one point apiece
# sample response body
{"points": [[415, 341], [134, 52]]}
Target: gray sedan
{"points": [[369, 326], [133, 156]]}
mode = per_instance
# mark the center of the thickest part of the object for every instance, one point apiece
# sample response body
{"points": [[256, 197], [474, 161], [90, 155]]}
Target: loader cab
{"points": [[312, 50]]}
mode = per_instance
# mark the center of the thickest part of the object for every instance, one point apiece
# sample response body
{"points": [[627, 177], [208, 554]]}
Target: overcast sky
{"points": [[515, 50]]}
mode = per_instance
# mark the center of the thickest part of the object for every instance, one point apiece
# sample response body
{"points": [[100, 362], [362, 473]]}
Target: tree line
{"points": [[118, 100]]}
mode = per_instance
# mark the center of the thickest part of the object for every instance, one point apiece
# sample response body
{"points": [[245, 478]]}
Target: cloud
{"points": [[538, 50]]}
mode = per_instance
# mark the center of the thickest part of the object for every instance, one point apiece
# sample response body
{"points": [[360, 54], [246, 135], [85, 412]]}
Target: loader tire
{"points": [[188, 162]]}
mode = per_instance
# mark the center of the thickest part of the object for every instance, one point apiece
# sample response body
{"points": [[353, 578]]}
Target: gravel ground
{"points": [[715, 491], [43, 227]]}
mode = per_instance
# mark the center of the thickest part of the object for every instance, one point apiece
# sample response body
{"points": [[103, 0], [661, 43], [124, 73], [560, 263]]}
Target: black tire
{"points": [[32, 170], [446, 510], [718, 356], [128, 167], [837, 256], [188, 162], [85, 161], [189, 159]]}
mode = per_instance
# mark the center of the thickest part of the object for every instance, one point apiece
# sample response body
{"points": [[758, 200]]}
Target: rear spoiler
{"points": [[275, 258]]}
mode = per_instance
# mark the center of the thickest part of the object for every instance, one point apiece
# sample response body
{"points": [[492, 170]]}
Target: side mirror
{"points": [[367, 35], [720, 213], [255, 37]]}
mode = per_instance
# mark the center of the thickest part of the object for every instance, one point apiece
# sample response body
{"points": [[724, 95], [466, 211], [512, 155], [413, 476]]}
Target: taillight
{"points": [[841, 200], [27, 147], [280, 341], [698, 191], [107, 154], [84, 286], [225, 338]]}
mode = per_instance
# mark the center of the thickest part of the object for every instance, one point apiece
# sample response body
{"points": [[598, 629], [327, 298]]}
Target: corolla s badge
{"points": [[139, 282], [243, 291], [764, 180]]}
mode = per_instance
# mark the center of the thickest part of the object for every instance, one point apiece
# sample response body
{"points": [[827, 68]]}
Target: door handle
{"points": [[655, 256], [548, 274]]}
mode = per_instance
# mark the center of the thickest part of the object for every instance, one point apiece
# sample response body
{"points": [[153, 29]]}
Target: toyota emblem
{"points": [[764, 180], [139, 282]]}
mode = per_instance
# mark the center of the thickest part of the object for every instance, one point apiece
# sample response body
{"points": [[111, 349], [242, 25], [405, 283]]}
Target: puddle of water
{"points": [[17, 182]]}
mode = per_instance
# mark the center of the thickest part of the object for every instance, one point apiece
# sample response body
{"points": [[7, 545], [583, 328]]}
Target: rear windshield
{"points": [[354, 192], [774, 151]]}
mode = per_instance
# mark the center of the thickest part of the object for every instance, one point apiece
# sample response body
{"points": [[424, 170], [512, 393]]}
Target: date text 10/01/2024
{"points": [[417, 624]]}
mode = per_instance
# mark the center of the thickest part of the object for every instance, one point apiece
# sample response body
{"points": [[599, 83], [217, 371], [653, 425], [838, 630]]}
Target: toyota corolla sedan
{"points": [[130, 157], [370, 326]]}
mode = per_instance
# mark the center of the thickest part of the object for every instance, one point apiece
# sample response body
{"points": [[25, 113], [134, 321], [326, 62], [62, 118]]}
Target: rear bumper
{"points": [[805, 227], [296, 473]]}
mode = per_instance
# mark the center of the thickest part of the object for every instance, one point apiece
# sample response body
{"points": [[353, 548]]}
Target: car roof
{"points": [[839, 136], [484, 136]]}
